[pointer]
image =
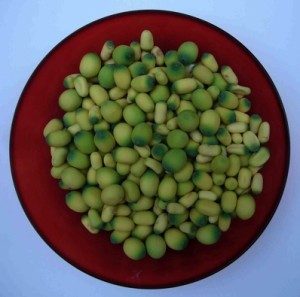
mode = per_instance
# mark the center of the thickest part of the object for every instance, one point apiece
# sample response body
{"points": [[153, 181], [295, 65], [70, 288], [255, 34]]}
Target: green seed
{"points": [[52, 126], [149, 183], [260, 157], [106, 76], [143, 83], [229, 75], [149, 61], [122, 134], [91, 196], [198, 218], [264, 132], [138, 168], [231, 183], [111, 111], [185, 173], [220, 164], [202, 100], [123, 55], [213, 91], [188, 120], [244, 105], [146, 218], [161, 77], [69, 100], [173, 102], [228, 100], [158, 151], [95, 219], [175, 239], [224, 136], [137, 50], [208, 234], [160, 113], [207, 195], [238, 149], [118, 236], [107, 50], [144, 203], [68, 82], [81, 86], [112, 195], [177, 139], [160, 93], [98, 94], [228, 201], [134, 248], [156, 246], [58, 138], [90, 65], [104, 141], [208, 208], [188, 199], [133, 115], [161, 223], [257, 184], [203, 74], [184, 86], [171, 57], [137, 69], [86, 223], [72, 178], [188, 52], [146, 41], [237, 127], [209, 150], [245, 207], [107, 176], [251, 141], [144, 102], [75, 202], [219, 82], [209, 61], [202, 180], [175, 71], [167, 188], [141, 232], [218, 178], [174, 160], [77, 159], [122, 224], [239, 90], [125, 155], [209, 122]]}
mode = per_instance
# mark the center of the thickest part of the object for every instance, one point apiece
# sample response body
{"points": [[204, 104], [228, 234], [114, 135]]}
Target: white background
{"points": [[30, 29]]}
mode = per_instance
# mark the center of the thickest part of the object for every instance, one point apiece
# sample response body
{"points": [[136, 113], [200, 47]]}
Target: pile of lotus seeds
{"points": [[157, 148]]}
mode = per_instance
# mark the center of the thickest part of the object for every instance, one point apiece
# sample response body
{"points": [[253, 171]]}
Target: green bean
{"points": [[228, 201], [203, 166], [81, 86], [202, 180], [144, 102], [75, 202], [138, 168], [224, 136], [107, 50], [254, 169], [244, 105], [185, 106], [86, 223], [68, 82], [229, 75], [160, 93], [98, 94], [133, 115], [160, 113], [90, 65], [173, 102], [209, 150], [171, 57], [236, 138], [161, 77], [242, 117], [224, 222], [234, 166], [188, 52], [112, 195], [117, 237], [231, 183], [52, 126], [208, 234], [207, 195], [156, 246], [123, 55], [201, 99], [123, 224], [227, 116], [245, 207], [264, 132], [74, 129], [58, 138], [251, 141], [202, 159], [184, 86], [137, 49], [188, 120], [218, 178], [143, 151], [255, 121], [244, 178], [106, 76], [69, 100], [107, 213], [149, 61], [134, 248], [91, 177], [77, 159], [209, 61], [238, 149], [149, 183], [217, 190], [239, 90], [220, 164], [107, 176], [219, 82], [161, 223], [109, 161], [146, 40], [143, 83], [141, 134], [175, 239], [91, 196], [175, 208], [58, 155], [123, 169], [203, 74], [141, 231], [125, 155], [122, 134], [175, 71], [228, 100], [260, 157], [213, 91], [167, 188], [174, 160], [209, 122], [257, 184], [73, 178], [144, 203], [95, 219], [56, 171], [104, 141]]}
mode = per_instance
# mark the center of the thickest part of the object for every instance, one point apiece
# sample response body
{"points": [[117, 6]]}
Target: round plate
{"points": [[43, 200]]}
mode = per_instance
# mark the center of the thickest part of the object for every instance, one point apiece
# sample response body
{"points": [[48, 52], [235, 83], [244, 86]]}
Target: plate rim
{"points": [[285, 173]]}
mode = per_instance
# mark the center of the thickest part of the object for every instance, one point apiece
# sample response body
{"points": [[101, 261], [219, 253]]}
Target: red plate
{"points": [[43, 201]]}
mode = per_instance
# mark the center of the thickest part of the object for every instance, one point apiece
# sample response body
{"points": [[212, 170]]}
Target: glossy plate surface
{"points": [[43, 201]]}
